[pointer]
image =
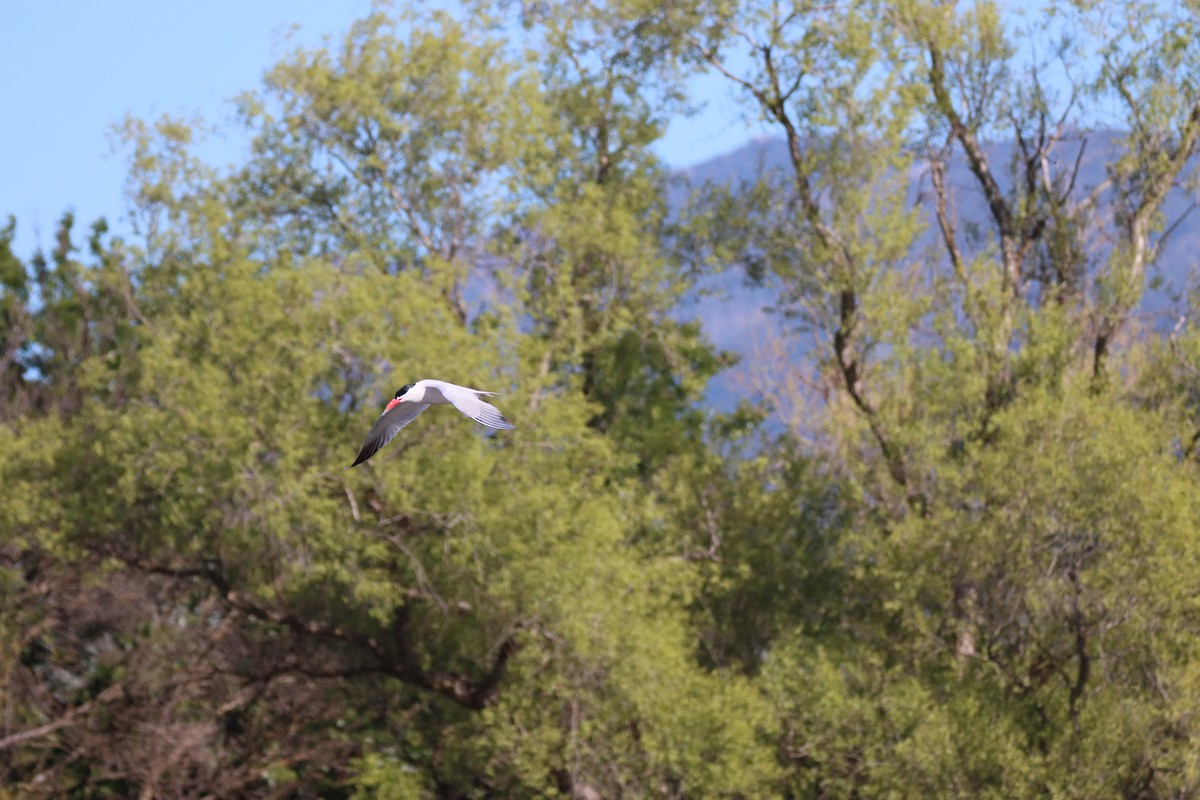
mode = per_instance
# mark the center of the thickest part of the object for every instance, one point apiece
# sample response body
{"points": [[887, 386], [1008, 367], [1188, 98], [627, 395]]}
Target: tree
{"points": [[964, 570], [472, 613], [1010, 497]]}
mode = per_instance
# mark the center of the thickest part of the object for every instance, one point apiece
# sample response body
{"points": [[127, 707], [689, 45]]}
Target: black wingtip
{"points": [[363, 455]]}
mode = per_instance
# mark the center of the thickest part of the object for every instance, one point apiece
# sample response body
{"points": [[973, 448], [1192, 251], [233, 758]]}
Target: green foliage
{"points": [[966, 568], [386, 779]]}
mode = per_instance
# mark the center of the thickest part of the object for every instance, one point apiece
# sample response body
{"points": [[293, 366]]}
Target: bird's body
{"points": [[414, 398]]}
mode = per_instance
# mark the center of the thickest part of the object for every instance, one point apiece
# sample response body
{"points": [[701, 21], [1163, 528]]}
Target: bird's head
{"points": [[399, 398]]}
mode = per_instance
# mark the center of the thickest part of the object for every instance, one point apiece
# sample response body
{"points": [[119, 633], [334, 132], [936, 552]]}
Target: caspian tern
{"points": [[415, 398]]}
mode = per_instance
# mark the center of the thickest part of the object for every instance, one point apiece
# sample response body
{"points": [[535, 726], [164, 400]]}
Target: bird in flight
{"points": [[414, 398]]}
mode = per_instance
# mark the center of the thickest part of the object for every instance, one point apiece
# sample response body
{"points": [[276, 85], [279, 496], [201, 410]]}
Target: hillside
{"points": [[737, 318]]}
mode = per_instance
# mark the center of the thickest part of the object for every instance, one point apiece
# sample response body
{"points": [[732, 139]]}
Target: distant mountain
{"points": [[758, 154], [735, 318]]}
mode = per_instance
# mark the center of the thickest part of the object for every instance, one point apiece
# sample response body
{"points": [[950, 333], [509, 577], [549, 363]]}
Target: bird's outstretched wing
{"points": [[386, 427], [468, 402]]}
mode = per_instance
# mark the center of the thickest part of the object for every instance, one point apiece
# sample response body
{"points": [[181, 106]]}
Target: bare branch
{"points": [[398, 661], [978, 162], [1173, 340], [1161, 242], [66, 720], [937, 173]]}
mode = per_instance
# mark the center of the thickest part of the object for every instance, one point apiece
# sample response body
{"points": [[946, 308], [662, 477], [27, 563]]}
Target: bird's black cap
{"points": [[404, 389]]}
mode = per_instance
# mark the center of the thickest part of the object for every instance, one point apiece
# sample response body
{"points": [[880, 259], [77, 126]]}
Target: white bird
{"points": [[414, 398]]}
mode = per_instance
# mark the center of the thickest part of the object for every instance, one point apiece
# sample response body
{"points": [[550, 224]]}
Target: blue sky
{"points": [[72, 68]]}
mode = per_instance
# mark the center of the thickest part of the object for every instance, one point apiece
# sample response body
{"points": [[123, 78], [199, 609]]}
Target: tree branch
{"points": [[978, 163], [398, 661]]}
